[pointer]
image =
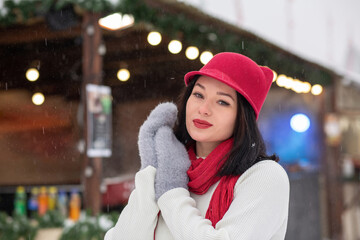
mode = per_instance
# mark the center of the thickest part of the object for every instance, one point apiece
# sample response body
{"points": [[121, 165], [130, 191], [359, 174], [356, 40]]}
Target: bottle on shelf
{"points": [[62, 203], [42, 201], [74, 205], [33, 201], [52, 198], [20, 201]]}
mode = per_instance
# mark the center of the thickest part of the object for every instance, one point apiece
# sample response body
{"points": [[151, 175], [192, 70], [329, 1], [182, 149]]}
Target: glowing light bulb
{"points": [[275, 75], [123, 75], [316, 89], [300, 122], [32, 74], [38, 98], [297, 86], [281, 80], [289, 83], [116, 21], [154, 38], [306, 87], [175, 46], [205, 57], [192, 53]]}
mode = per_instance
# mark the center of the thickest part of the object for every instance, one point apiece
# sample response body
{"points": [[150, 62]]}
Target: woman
{"points": [[222, 185]]}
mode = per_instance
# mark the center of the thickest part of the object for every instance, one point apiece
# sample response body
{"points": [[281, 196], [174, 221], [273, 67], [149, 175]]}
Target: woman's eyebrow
{"points": [[199, 85], [225, 94]]}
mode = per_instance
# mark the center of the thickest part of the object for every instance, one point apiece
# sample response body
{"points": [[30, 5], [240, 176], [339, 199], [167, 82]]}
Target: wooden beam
{"points": [[332, 173], [92, 73], [35, 33]]}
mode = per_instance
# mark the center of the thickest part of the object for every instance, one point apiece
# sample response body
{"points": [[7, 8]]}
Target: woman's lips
{"points": [[201, 124]]}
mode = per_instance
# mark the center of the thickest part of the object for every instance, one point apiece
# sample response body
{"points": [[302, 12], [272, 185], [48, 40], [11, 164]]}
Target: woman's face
{"points": [[211, 111]]}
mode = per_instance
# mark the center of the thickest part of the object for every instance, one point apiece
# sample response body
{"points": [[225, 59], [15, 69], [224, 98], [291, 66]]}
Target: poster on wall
{"points": [[99, 124]]}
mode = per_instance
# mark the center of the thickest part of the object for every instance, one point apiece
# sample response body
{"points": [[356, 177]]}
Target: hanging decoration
{"points": [[205, 37]]}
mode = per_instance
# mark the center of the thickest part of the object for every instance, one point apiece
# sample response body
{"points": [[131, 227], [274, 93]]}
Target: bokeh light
{"points": [[316, 89], [154, 38], [275, 75], [175, 46], [300, 122], [38, 98], [32, 74], [123, 74], [116, 21], [205, 57], [281, 80], [192, 52]]}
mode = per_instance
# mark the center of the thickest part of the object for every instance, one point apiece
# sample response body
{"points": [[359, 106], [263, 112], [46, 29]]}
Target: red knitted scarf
{"points": [[203, 174]]}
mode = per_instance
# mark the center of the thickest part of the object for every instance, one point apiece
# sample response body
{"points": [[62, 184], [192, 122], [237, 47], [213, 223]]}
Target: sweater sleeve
{"points": [[259, 209], [141, 210]]}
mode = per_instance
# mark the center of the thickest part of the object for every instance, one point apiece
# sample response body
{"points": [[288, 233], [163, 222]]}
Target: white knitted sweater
{"points": [[259, 210]]}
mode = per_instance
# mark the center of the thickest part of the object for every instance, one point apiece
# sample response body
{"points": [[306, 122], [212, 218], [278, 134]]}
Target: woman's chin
{"points": [[198, 137]]}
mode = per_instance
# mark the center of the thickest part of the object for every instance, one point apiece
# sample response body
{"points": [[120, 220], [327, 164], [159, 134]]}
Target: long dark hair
{"points": [[248, 148]]}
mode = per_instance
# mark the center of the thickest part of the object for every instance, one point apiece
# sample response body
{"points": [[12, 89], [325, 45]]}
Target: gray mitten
{"points": [[173, 162], [163, 114]]}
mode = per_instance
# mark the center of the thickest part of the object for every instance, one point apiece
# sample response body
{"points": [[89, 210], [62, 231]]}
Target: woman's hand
{"points": [[173, 162], [164, 114]]}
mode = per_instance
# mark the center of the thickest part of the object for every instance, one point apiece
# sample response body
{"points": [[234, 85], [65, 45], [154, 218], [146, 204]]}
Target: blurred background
{"points": [[78, 78]]}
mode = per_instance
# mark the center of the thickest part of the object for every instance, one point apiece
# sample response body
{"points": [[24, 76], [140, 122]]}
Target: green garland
{"points": [[194, 33], [88, 227], [51, 219], [16, 227]]}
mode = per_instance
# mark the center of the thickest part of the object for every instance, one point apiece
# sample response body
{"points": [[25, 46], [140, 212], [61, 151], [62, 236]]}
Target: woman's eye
{"points": [[198, 95], [221, 102]]}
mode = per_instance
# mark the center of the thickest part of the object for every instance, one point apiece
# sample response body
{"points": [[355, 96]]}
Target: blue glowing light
{"points": [[300, 122]]}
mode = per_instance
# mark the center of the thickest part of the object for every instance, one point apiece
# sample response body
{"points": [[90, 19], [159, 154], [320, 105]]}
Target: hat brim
{"points": [[190, 75], [222, 77]]}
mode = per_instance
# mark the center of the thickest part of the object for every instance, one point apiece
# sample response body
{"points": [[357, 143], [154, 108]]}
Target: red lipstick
{"points": [[201, 124]]}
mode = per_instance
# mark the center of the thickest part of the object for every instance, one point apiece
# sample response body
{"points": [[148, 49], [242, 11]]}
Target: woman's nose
{"points": [[205, 109]]}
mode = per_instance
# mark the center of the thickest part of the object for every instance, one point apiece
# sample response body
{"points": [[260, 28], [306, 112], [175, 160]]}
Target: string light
{"points": [[274, 75], [116, 21], [289, 82], [123, 74], [154, 38], [175, 46], [205, 57], [316, 89], [192, 52], [32, 74], [281, 80], [306, 87], [38, 98], [297, 86]]}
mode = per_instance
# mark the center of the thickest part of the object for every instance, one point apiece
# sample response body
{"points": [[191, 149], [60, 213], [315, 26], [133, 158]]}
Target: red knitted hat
{"points": [[241, 73]]}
